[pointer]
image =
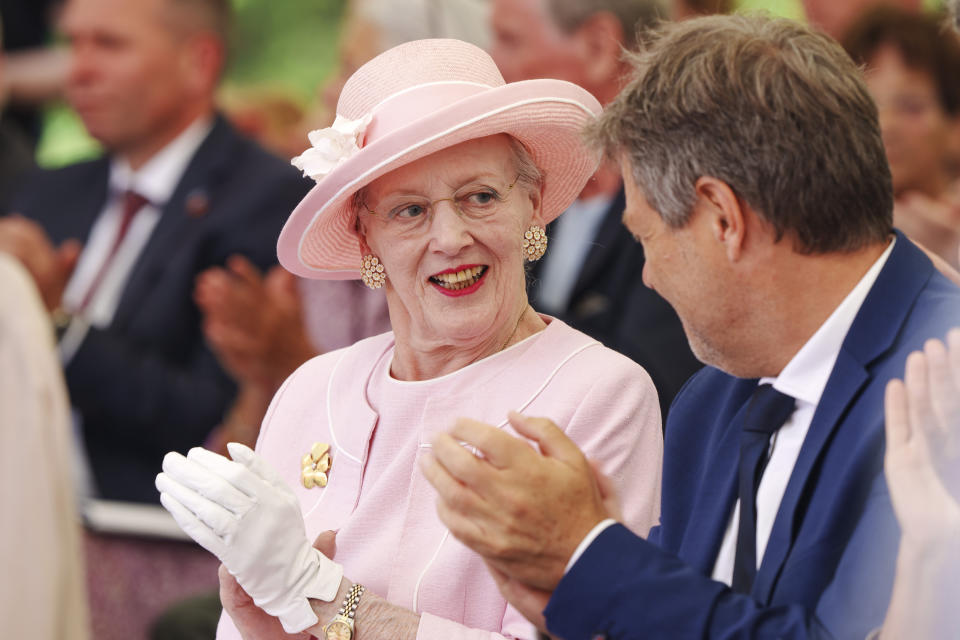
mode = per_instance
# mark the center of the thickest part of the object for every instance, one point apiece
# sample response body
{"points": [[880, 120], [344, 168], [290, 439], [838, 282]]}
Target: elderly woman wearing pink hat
{"points": [[435, 182]]}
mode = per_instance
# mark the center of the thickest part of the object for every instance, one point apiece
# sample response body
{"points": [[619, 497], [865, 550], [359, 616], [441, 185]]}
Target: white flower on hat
{"points": [[332, 146]]}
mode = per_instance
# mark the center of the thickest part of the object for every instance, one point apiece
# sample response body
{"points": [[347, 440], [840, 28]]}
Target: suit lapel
{"points": [[179, 214], [872, 333]]}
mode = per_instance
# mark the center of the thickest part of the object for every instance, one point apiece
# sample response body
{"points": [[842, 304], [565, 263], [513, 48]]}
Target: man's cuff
{"points": [[587, 541]]}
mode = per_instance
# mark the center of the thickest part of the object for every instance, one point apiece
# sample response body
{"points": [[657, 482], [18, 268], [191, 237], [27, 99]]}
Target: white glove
{"points": [[242, 512]]}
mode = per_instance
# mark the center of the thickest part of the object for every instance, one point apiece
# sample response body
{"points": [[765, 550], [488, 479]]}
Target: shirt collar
{"points": [[157, 179], [806, 375]]}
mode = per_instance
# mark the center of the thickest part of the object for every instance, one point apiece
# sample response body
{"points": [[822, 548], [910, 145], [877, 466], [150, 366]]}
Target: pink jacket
{"points": [[389, 537]]}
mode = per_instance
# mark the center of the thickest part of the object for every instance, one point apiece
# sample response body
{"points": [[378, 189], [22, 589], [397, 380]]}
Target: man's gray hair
{"points": [[955, 12], [632, 14], [772, 108]]}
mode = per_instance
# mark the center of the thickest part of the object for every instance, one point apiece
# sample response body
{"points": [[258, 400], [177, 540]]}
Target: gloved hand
{"points": [[242, 512]]}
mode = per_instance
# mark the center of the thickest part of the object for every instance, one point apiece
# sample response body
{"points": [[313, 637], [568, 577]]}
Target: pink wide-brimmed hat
{"points": [[411, 101]]}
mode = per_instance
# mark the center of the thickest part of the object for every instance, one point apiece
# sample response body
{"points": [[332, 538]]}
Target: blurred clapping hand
{"points": [[922, 467], [253, 322], [49, 265]]}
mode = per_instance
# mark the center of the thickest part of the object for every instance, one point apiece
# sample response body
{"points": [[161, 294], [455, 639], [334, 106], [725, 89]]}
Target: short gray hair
{"points": [[632, 14], [955, 10], [774, 109]]}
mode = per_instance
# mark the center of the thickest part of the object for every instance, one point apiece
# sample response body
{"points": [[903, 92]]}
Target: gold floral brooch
{"points": [[315, 465]]}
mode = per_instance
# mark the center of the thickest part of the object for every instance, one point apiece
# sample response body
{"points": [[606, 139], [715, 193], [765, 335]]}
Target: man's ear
{"points": [[725, 213], [601, 39]]}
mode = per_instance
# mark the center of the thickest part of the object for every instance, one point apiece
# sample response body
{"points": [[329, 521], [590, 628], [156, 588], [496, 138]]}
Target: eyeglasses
{"points": [[473, 201]]}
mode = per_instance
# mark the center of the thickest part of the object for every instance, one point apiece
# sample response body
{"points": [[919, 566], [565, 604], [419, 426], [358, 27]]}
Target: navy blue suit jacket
{"points": [[828, 567], [148, 383], [609, 302]]}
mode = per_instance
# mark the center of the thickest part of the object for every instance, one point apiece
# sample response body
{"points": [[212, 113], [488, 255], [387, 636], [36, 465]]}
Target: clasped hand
{"points": [[241, 511], [525, 511]]}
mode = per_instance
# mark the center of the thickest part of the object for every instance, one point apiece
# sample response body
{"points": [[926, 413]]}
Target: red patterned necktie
{"points": [[132, 203]]}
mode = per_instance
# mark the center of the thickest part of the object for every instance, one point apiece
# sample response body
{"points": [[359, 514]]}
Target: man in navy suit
{"points": [[756, 180], [178, 192]]}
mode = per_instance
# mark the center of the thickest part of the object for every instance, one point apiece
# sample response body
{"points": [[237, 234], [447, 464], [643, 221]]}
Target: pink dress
{"points": [[389, 537]]}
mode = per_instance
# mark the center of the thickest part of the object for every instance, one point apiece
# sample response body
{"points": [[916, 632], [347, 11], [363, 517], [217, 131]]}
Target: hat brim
{"points": [[319, 239]]}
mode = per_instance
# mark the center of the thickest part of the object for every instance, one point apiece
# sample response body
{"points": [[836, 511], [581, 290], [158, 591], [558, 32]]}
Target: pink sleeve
{"points": [[617, 424]]}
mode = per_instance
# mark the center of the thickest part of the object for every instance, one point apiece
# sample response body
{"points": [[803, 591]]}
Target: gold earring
{"points": [[371, 272], [534, 243]]}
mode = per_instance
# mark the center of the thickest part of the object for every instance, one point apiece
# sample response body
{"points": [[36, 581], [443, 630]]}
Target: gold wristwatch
{"points": [[340, 626]]}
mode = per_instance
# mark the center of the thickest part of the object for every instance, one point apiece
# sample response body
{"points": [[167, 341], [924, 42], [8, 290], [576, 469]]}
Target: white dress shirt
{"points": [[156, 181], [804, 378]]}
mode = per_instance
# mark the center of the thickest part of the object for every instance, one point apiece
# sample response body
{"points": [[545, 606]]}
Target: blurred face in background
{"points": [[917, 131], [527, 44], [133, 79]]}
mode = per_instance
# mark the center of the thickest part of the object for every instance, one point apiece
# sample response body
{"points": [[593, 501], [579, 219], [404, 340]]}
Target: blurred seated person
{"points": [[913, 72], [177, 192], [922, 467], [262, 326], [42, 595]]}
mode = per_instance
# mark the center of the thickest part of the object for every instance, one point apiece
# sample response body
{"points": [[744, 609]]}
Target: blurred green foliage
{"points": [[285, 43]]}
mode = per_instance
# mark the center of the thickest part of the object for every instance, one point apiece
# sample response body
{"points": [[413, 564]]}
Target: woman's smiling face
{"points": [[448, 229]]}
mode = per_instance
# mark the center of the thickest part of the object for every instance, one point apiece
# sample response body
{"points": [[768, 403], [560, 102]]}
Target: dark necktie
{"points": [[132, 203], [767, 412]]}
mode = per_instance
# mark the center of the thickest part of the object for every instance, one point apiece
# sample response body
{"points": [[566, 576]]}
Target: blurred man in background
{"points": [[177, 192], [591, 276]]}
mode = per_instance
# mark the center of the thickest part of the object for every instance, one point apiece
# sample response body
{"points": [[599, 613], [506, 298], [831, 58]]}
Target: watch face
{"points": [[338, 630]]}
